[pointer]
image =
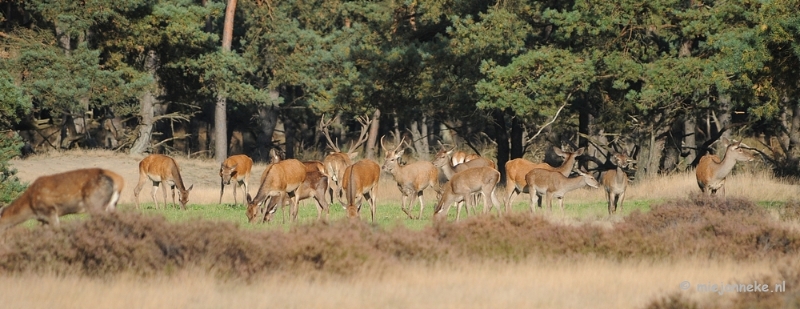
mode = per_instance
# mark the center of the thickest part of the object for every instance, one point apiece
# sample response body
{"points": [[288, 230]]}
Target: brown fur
{"points": [[615, 181], [335, 163], [236, 168], [411, 179], [315, 165], [482, 180], [360, 181], [517, 169], [316, 186], [711, 171], [554, 184], [279, 179], [161, 170], [85, 190]]}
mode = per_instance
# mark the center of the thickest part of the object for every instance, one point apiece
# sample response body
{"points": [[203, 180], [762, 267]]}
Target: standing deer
{"points": [[90, 190], [236, 168], [615, 181], [161, 169], [279, 179], [711, 171], [411, 179], [315, 185], [361, 181], [443, 160], [336, 161], [554, 184], [517, 169], [481, 179]]}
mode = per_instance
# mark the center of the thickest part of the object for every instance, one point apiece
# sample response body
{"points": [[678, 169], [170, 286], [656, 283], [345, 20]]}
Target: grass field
{"points": [[582, 280]]}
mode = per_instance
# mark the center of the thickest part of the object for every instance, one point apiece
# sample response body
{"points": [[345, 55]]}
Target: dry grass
{"points": [[582, 283]]}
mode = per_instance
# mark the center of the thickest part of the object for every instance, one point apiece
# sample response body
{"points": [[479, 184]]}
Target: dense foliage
{"points": [[665, 75]]}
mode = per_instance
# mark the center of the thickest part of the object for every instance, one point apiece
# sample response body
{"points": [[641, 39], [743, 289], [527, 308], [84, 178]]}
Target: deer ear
{"points": [[353, 155], [579, 151], [190, 187], [559, 152]]}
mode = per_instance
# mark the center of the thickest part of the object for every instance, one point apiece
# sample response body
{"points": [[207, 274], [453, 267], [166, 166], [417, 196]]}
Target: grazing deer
{"points": [[517, 169], [711, 171], [554, 184], [161, 169], [236, 168], [411, 179], [360, 181], [615, 181], [90, 190], [336, 161], [481, 179], [315, 185], [279, 179]]}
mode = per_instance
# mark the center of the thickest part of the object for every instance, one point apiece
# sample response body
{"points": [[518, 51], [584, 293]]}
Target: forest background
{"points": [[660, 79]]}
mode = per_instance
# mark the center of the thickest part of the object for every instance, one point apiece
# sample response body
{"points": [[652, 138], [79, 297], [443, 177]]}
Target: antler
{"points": [[323, 127], [365, 123]]}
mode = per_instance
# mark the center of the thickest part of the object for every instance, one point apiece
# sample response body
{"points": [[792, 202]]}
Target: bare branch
{"points": [[530, 140]]}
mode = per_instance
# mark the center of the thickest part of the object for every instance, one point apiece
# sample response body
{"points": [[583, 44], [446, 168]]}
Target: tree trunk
{"points": [[420, 140], [723, 113], [517, 136], [289, 132], [267, 120], [501, 136], [142, 142], [689, 140], [372, 139], [220, 109]]}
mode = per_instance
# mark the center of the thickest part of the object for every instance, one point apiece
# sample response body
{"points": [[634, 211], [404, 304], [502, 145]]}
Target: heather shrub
{"points": [[146, 245]]}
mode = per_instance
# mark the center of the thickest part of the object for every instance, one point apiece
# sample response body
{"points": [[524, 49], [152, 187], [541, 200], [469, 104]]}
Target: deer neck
{"points": [[574, 183], [620, 176], [448, 169], [566, 167], [725, 167], [176, 177]]}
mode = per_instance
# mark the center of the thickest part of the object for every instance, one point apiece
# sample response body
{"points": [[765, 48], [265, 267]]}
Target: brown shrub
{"points": [[147, 245]]}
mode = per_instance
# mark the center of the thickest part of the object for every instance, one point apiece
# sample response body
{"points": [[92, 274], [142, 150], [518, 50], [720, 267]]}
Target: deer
{"points": [[360, 180], [460, 157], [412, 178], [161, 169], [279, 179], [336, 161], [551, 184], [91, 190], [236, 168], [315, 165], [517, 169], [458, 189], [711, 171], [615, 182], [314, 186], [443, 160]]}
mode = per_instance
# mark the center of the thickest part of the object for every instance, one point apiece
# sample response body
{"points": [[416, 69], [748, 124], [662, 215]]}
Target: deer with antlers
{"points": [[517, 169], [360, 180], [481, 179], [336, 161], [235, 168], [711, 171], [279, 180], [412, 178], [161, 170], [90, 190], [551, 184], [615, 181]]}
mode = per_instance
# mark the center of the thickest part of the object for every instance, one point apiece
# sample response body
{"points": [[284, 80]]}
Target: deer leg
{"points": [[156, 185], [235, 184], [421, 204], [609, 197], [172, 188], [244, 196], [561, 204], [533, 196], [458, 209], [222, 190], [296, 206], [403, 203], [511, 189], [621, 200], [372, 201], [138, 188]]}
